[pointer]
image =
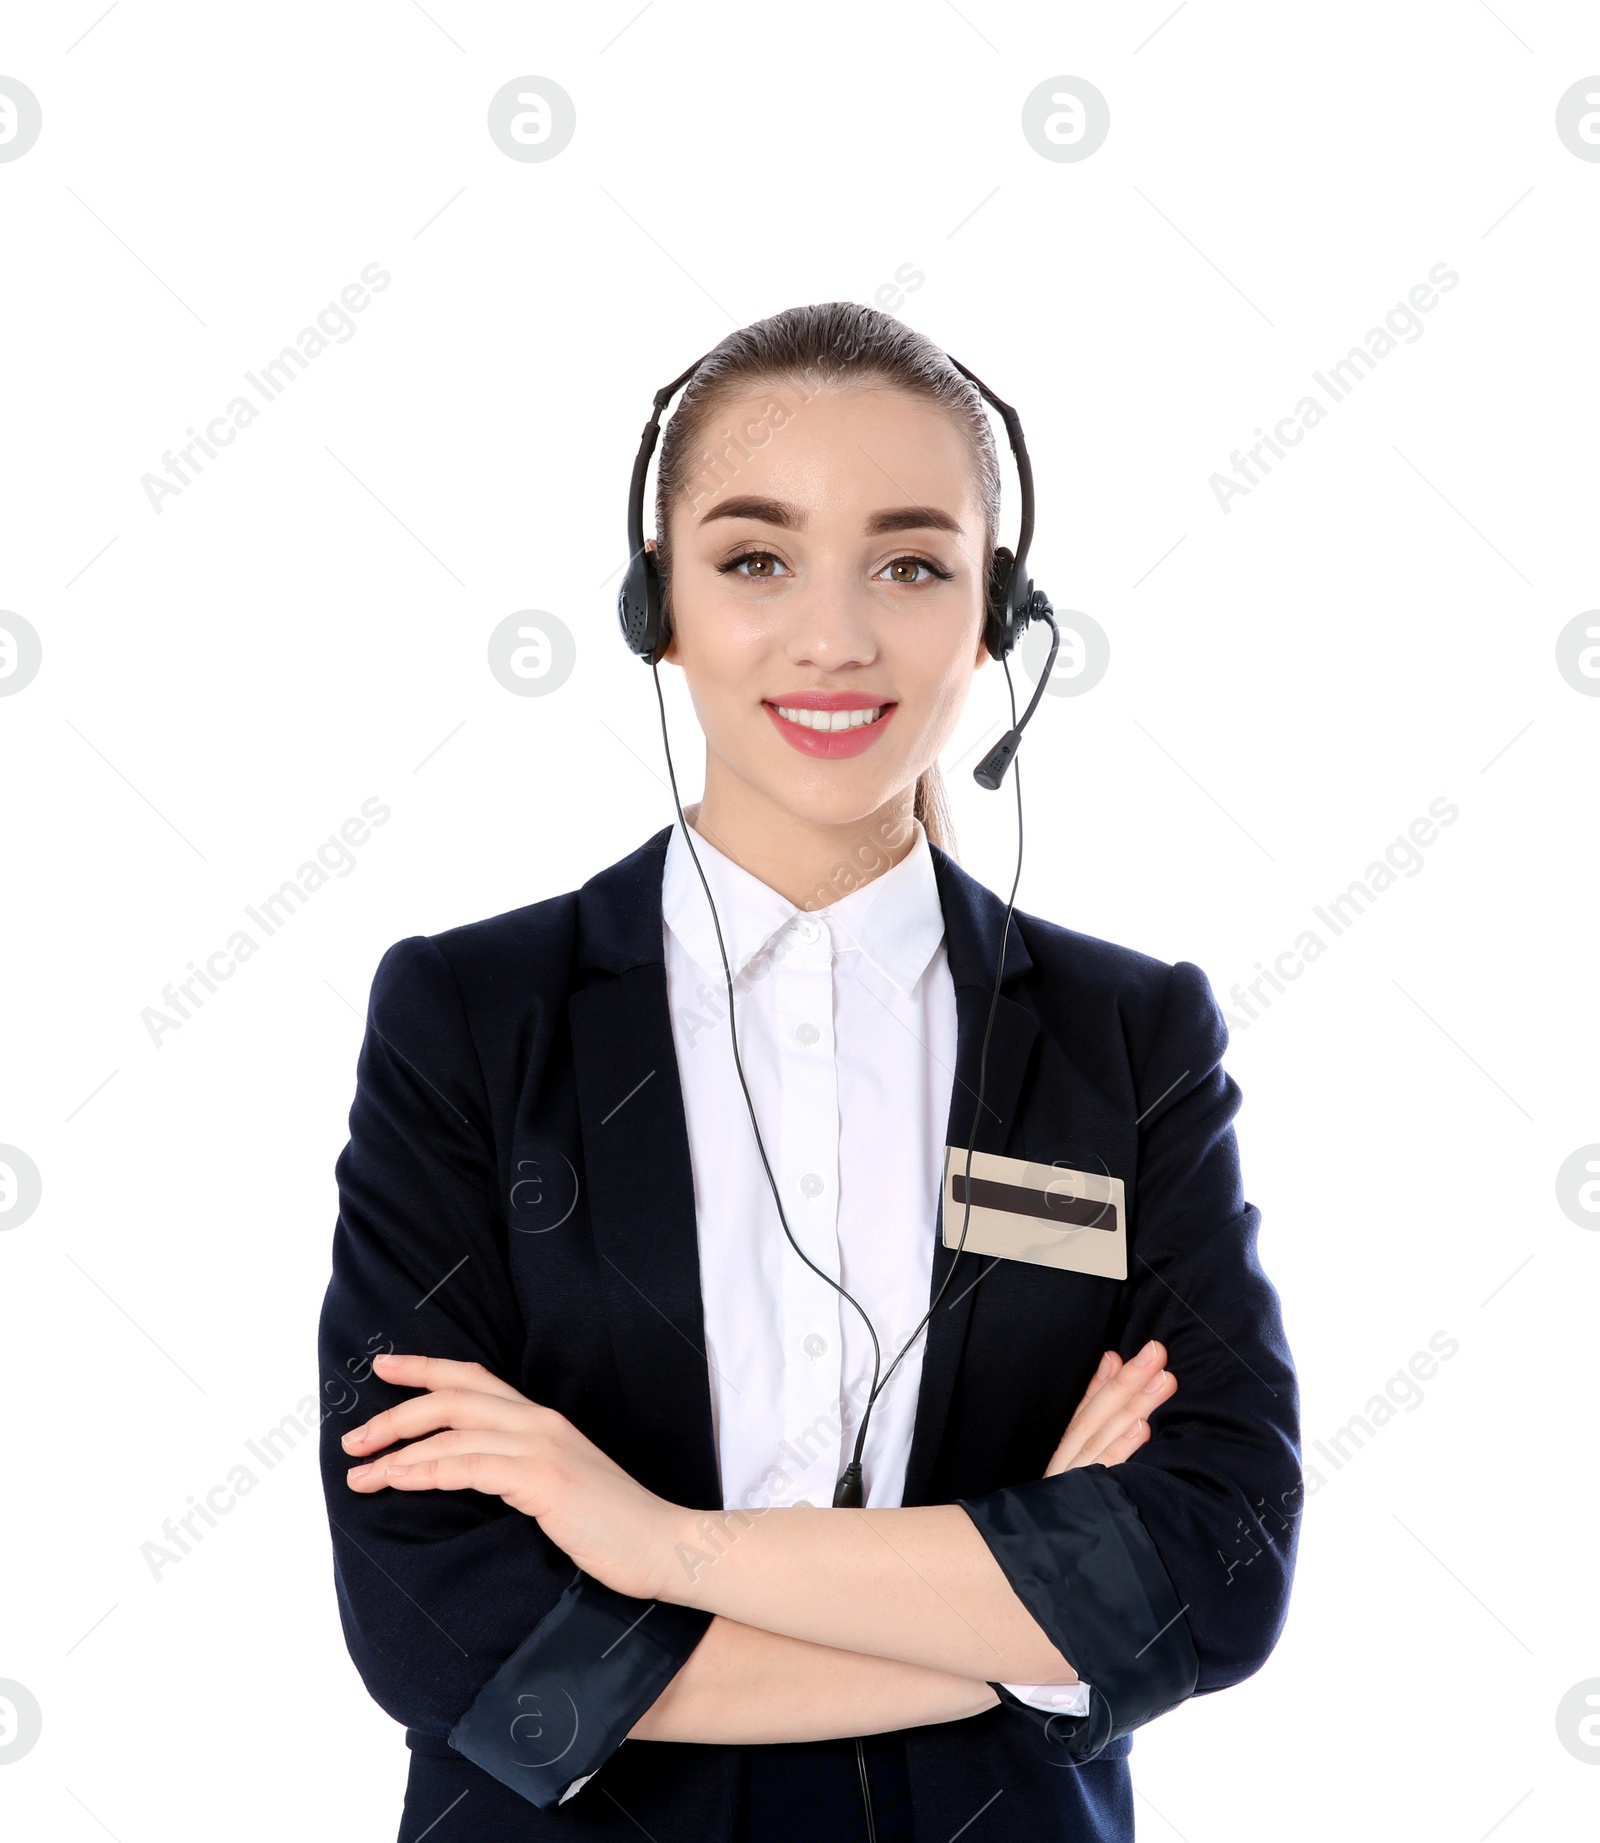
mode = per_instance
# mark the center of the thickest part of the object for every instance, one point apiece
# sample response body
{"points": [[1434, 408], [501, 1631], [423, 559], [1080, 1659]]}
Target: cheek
{"points": [[722, 651], [951, 697], [939, 678]]}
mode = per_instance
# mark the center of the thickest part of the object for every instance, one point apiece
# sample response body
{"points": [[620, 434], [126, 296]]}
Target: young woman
{"points": [[628, 1281]]}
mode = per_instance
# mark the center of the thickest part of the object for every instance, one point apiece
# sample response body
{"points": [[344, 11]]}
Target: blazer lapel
{"points": [[973, 917], [640, 1181]]}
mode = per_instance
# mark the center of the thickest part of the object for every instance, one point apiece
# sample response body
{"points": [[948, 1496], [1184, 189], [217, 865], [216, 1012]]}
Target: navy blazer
{"points": [[517, 1191]]}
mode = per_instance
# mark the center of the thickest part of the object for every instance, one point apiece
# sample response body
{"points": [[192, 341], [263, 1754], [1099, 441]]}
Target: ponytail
{"points": [[931, 806]]}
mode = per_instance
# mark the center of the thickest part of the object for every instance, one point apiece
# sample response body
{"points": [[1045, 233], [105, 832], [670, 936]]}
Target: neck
{"points": [[808, 863]]}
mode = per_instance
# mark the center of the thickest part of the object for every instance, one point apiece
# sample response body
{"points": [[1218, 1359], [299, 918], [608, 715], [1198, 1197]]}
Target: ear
{"points": [[669, 652]]}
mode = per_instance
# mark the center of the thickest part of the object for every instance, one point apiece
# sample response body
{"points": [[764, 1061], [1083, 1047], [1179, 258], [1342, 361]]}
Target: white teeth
{"points": [[830, 719]]}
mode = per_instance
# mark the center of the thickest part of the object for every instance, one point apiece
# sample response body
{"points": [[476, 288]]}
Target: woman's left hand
{"points": [[1112, 1421], [482, 1435]]}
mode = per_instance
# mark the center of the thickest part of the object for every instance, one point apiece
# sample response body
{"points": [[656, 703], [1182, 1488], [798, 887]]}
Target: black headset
{"points": [[1011, 600]]}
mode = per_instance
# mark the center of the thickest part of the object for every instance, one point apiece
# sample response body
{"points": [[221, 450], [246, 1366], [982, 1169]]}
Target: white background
{"points": [[1291, 683]]}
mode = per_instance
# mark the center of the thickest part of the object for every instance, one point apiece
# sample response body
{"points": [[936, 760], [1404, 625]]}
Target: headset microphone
{"points": [[991, 771]]}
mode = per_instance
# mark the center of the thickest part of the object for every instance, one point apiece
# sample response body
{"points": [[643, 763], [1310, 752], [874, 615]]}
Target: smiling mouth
{"points": [[831, 734], [830, 720]]}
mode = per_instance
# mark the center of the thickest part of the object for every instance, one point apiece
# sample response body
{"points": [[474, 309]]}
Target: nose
{"points": [[832, 622]]}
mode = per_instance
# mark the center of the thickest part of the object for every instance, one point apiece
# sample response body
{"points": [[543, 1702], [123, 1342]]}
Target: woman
{"points": [[627, 1290]]}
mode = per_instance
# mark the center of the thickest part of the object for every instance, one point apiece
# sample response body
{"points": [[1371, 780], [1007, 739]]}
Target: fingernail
{"points": [[1155, 1383], [1148, 1354], [358, 1471], [352, 1439]]}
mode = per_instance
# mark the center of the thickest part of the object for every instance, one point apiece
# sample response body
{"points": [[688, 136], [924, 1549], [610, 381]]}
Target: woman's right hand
{"points": [[1112, 1421]]}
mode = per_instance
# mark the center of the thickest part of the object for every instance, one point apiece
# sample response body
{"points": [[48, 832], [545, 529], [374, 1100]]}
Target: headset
{"points": [[1012, 603]]}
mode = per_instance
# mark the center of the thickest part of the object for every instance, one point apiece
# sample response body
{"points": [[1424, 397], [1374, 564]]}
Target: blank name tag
{"points": [[1046, 1214]]}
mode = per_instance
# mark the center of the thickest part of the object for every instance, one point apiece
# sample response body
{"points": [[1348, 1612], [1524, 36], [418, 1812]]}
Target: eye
{"points": [[754, 566], [912, 570]]}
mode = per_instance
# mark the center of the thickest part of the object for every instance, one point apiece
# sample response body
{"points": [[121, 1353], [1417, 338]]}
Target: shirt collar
{"points": [[895, 920]]}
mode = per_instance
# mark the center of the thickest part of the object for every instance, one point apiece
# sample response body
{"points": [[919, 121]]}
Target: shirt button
{"points": [[811, 1185], [807, 929], [815, 1346], [807, 1034]]}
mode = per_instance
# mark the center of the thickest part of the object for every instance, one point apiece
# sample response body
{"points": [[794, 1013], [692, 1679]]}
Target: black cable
{"points": [[866, 1790], [849, 1492], [853, 1470], [733, 1033]]}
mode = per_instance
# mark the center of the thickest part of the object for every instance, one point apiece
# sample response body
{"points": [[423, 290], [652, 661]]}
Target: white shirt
{"points": [[847, 1033]]}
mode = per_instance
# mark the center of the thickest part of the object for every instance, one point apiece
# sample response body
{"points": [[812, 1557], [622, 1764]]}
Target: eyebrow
{"points": [[789, 518]]}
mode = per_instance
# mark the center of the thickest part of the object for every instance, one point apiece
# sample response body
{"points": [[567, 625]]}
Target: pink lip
{"points": [[829, 700], [832, 745]]}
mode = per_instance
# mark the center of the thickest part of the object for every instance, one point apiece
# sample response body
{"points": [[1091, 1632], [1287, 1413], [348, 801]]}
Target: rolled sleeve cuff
{"points": [[567, 1697], [1053, 1698], [1079, 1558]]}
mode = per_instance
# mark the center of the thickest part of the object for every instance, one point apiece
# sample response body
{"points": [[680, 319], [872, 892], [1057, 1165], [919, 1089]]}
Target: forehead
{"points": [[832, 452]]}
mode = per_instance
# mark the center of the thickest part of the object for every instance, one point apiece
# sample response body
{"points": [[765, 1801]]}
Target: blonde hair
{"points": [[931, 804]]}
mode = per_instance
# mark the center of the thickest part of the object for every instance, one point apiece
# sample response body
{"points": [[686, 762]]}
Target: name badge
{"points": [[1046, 1214]]}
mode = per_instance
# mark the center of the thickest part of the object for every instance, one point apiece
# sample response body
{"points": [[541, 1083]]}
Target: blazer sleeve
{"points": [[464, 1620], [1168, 1575]]}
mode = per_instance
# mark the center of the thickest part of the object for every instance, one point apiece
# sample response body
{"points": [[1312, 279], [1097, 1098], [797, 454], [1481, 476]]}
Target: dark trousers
{"points": [[810, 1792], [795, 1792]]}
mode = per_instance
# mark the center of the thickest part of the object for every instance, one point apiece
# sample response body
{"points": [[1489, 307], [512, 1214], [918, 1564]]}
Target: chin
{"points": [[814, 792], [835, 806]]}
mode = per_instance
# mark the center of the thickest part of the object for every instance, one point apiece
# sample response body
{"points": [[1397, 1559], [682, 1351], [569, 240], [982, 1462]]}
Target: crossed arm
{"points": [[826, 1622]]}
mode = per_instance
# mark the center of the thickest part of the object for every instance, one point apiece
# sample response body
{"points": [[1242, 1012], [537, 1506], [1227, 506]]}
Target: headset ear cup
{"points": [[997, 617], [632, 606], [641, 609]]}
